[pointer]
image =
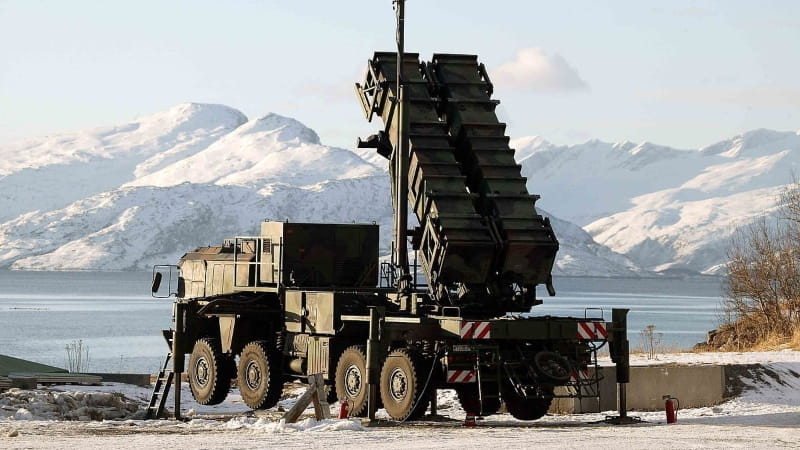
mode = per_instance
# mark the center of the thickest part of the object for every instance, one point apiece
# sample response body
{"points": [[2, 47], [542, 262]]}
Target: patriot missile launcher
{"points": [[303, 298]]}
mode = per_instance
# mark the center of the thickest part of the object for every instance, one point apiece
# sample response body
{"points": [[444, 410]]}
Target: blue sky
{"points": [[678, 73]]}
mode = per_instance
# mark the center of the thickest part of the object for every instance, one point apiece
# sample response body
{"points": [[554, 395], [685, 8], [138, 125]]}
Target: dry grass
{"points": [[749, 336], [777, 342]]}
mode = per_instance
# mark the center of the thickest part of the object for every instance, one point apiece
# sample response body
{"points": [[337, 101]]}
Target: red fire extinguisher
{"points": [[343, 410], [671, 405]]}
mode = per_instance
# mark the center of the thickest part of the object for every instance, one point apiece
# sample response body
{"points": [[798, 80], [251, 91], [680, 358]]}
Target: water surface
{"points": [[115, 317]]}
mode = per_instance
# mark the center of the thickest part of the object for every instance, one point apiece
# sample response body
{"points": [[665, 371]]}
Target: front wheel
{"points": [[351, 379], [402, 390], [258, 376], [208, 372]]}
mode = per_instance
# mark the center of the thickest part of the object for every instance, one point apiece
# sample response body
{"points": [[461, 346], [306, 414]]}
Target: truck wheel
{"points": [[552, 367], [470, 401], [401, 382], [207, 367], [258, 376], [351, 379], [525, 408]]}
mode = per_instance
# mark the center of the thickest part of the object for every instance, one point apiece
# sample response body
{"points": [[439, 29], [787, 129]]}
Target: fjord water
{"points": [[120, 323], [682, 310], [112, 313]]}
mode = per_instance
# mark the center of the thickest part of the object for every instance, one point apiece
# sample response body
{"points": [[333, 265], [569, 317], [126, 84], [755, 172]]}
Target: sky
{"points": [[679, 73]]}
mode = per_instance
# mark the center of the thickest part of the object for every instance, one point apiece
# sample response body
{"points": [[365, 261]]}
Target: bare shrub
{"points": [[651, 341], [762, 286], [77, 356]]}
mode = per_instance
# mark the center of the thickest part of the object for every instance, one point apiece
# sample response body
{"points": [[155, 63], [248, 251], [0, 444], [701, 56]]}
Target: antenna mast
{"points": [[401, 162]]}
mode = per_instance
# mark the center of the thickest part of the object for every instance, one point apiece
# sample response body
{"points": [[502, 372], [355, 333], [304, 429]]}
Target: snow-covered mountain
{"points": [[664, 208], [145, 192], [48, 173]]}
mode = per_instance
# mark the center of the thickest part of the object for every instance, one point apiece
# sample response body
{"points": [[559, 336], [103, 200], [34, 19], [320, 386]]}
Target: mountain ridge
{"points": [[665, 208], [146, 198], [145, 191]]}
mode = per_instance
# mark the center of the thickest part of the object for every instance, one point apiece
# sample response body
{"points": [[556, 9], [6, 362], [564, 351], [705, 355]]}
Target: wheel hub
{"points": [[201, 371], [253, 375], [398, 384], [352, 381]]}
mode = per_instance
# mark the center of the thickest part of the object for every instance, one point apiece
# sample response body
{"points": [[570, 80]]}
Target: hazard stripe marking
{"points": [[592, 331], [585, 330], [582, 374], [482, 330], [476, 330], [466, 329], [460, 376]]}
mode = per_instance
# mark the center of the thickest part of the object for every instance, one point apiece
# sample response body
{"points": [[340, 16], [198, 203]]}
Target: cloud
{"points": [[535, 70]]}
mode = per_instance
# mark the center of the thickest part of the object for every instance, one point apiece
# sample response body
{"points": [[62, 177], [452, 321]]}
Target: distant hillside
{"points": [[666, 209], [147, 191]]}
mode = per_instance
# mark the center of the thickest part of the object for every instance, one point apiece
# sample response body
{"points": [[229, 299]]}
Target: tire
{"points": [[258, 376], [470, 401], [525, 408], [351, 380], [207, 372], [552, 367], [403, 395]]}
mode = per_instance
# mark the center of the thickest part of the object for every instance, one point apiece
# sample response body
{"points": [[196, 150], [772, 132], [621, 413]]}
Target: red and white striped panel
{"points": [[582, 374], [475, 330], [592, 331], [461, 376]]}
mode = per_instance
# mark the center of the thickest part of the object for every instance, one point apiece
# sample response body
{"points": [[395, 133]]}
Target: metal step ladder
{"points": [[160, 390], [488, 382], [163, 382]]}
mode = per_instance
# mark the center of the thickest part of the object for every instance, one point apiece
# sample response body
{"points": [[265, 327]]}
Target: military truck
{"points": [[309, 298]]}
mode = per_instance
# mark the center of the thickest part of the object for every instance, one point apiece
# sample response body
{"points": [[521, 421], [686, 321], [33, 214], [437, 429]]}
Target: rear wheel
{"points": [[351, 379], [258, 376], [525, 408], [208, 372], [470, 401], [402, 390]]}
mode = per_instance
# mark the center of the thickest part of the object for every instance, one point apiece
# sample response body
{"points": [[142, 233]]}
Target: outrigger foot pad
{"points": [[623, 420]]}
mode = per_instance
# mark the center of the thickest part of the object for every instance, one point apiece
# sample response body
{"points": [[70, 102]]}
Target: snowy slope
{"points": [[580, 255], [145, 192], [666, 209], [136, 227], [51, 172], [272, 149]]}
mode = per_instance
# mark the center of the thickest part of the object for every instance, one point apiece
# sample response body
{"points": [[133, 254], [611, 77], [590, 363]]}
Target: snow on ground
{"points": [[716, 358], [766, 415]]}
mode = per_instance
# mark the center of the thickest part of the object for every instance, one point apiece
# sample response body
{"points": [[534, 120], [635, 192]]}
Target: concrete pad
{"points": [[693, 386]]}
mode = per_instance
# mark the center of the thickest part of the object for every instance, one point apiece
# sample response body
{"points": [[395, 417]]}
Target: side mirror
{"points": [[181, 288], [156, 282]]}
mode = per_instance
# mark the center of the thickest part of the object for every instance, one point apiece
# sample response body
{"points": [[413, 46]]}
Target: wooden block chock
{"points": [[315, 393]]}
